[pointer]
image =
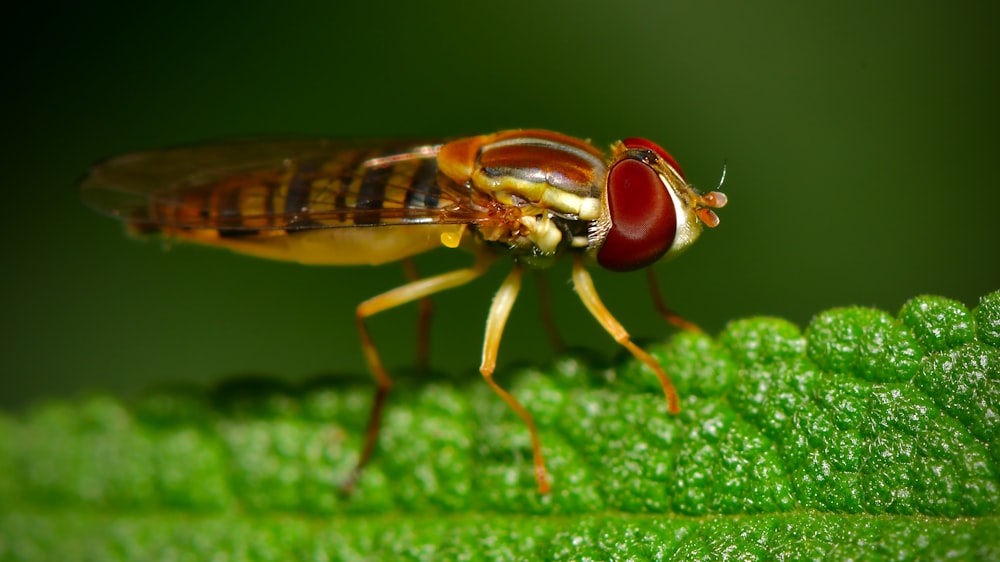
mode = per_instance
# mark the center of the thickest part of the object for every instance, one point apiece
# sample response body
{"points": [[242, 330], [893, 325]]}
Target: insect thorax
{"points": [[534, 237], [543, 188]]}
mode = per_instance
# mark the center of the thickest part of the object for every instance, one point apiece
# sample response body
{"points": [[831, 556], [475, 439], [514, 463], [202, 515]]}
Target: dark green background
{"points": [[860, 139]]}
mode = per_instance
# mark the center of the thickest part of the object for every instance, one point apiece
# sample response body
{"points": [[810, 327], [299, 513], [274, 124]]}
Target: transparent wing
{"points": [[280, 184]]}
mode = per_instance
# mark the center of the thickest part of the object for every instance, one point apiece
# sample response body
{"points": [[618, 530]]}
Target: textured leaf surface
{"points": [[866, 436]]}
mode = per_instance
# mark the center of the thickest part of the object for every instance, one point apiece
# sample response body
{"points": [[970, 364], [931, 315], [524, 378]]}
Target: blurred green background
{"points": [[860, 139]]}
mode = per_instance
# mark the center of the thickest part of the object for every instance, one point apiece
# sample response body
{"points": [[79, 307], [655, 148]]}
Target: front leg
{"points": [[584, 286]]}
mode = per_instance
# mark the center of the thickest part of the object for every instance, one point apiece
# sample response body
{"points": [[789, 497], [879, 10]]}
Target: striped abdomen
{"points": [[345, 188]]}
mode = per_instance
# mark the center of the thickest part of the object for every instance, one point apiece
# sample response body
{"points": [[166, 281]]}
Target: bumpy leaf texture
{"points": [[865, 437]]}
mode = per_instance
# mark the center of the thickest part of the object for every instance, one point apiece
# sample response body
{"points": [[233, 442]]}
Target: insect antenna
{"points": [[713, 200]]}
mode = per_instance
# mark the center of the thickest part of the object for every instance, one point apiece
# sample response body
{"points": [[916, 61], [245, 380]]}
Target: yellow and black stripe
{"points": [[348, 188]]}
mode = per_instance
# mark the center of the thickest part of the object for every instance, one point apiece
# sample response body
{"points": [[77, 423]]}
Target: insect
{"points": [[534, 196]]}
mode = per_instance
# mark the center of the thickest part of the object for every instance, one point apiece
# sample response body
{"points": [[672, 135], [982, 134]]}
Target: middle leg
{"points": [[424, 320], [503, 301], [545, 308]]}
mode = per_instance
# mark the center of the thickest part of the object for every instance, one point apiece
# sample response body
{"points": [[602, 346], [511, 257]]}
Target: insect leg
{"points": [[410, 292], [503, 301], [661, 306], [423, 321], [584, 286], [545, 308]]}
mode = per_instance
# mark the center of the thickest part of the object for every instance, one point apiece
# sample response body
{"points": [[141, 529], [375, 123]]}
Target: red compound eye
{"points": [[643, 218], [636, 142]]}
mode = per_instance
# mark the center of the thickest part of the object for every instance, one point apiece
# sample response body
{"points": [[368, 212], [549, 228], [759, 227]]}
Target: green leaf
{"points": [[865, 436]]}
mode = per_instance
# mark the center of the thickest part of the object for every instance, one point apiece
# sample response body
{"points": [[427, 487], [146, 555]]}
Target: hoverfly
{"points": [[532, 195]]}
